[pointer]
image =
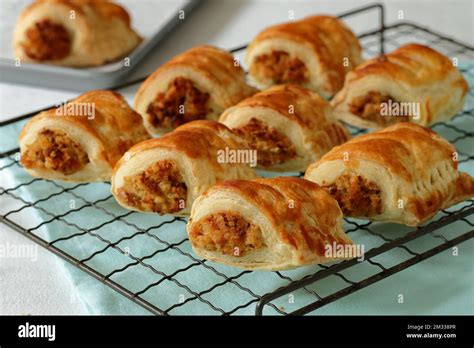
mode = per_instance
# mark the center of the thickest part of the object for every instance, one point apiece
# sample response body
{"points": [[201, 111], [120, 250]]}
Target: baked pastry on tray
{"points": [[82, 140], [266, 224], [196, 84], [404, 173], [315, 52], [165, 175], [413, 83], [289, 126], [76, 33]]}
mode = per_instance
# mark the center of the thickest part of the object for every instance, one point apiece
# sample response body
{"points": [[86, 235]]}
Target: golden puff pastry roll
{"points": [[315, 52], [165, 175], [289, 126], [82, 140], [197, 84], [413, 83], [77, 33], [404, 173], [266, 224]]}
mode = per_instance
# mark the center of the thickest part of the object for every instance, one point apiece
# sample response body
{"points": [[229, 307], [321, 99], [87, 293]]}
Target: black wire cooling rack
{"points": [[167, 278]]}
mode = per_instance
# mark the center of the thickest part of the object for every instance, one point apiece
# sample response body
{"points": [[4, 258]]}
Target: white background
{"points": [[38, 287]]}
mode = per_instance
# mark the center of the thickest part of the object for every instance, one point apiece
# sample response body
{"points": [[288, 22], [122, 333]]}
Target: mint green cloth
{"points": [[443, 284]]}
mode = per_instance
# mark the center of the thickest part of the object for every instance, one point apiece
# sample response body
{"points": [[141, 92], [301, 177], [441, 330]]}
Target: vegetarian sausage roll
{"points": [[266, 224], [413, 83], [166, 174], [80, 141], [289, 126], [315, 52], [75, 33], [404, 173], [197, 84]]}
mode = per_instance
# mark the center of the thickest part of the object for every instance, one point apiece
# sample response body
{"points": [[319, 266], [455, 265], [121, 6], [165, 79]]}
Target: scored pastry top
{"points": [[405, 149], [288, 125], [197, 140], [296, 103], [214, 63]]}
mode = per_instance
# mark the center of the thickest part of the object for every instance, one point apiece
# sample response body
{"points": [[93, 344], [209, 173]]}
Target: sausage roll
{"points": [[404, 173], [197, 84], [413, 83], [81, 141], [76, 33], [266, 224], [289, 126], [315, 52], [165, 175]]}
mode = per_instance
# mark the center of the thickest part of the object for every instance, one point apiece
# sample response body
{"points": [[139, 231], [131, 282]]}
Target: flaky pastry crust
{"points": [[76, 33], [103, 135], [194, 150], [297, 113], [327, 48], [413, 74], [297, 220], [414, 169]]}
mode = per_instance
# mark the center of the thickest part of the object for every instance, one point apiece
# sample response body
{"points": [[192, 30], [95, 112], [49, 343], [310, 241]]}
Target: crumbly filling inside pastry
{"points": [[272, 146], [46, 40], [227, 233], [280, 67], [181, 103], [159, 188], [369, 108], [356, 195], [54, 150]]}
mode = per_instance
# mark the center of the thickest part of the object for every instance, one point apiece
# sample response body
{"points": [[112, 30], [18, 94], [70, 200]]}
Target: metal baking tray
{"points": [[152, 19]]}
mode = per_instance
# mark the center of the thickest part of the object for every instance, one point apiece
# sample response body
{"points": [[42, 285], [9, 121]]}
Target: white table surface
{"points": [[37, 286]]}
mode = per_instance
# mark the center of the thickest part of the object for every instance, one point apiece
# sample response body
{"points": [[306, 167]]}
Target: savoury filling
{"points": [[280, 67], [272, 146], [159, 188], [369, 107], [356, 196], [227, 233], [180, 103], [56, 151], [46, 40]]}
